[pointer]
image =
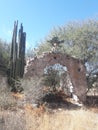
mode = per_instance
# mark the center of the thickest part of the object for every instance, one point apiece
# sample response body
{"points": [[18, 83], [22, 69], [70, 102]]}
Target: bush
{"points": [[4, 53], [33, 89], [52, 78], [6, 98]]}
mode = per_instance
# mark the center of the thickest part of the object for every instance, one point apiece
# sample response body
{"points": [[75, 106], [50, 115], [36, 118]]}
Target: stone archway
{"points": [[75, 68]]}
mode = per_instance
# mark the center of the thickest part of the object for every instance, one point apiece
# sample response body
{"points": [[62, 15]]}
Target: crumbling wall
{"points": [[75, 68]]}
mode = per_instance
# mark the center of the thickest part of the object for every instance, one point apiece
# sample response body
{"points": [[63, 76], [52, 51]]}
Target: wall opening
{"points": [[57, 76]]}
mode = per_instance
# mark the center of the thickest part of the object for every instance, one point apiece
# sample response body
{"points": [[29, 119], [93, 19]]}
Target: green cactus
{"points": [[17, 58], [13, 58], [22, 39]]}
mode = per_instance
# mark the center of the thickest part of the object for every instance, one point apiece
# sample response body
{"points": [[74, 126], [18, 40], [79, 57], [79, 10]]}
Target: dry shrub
{"points": [[6, 98], [33, 89]]}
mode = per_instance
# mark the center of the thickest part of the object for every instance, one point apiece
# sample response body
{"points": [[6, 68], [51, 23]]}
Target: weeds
{"points": [[6, 99]]}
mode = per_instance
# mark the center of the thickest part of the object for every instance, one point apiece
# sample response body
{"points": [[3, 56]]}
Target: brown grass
{"points": [[18, 96], [40, 119], [63, 120]]}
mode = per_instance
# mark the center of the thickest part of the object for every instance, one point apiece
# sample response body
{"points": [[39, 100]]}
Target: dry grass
{"points": [[12, 120], [33, 89], [63, 120], [18, 96], [6, 98], [42, 118], [38, 119]]}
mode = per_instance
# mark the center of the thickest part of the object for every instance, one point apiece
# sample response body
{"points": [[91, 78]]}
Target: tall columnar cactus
{"points": [[22, 40], [17, 59], [13, 58]]}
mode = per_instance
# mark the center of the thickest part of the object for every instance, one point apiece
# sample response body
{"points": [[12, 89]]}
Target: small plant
{"points": [[52, 78]]}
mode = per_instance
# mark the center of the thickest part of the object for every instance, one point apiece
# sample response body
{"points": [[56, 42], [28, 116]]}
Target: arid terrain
{"points": [[60, 114], [29, 117]]}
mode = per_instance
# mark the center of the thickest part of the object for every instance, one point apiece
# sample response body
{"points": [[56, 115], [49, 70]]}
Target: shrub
{"points": [[52, 78], [6, 98]]}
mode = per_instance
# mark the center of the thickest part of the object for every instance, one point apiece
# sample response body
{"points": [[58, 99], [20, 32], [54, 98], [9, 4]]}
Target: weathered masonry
{"points": [[76, 70]]}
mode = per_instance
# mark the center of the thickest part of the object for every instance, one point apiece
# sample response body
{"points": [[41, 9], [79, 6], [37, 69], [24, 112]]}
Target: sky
{"points": [[39, 17]]}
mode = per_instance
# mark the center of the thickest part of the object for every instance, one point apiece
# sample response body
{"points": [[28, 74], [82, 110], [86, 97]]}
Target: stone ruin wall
{"points": [[76, 70]]}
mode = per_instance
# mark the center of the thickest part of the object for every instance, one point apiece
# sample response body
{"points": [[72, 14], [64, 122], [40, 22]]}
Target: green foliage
{"points": [[92, 80], [80, 40], [52, 78], [4, 53], [44, 47]]}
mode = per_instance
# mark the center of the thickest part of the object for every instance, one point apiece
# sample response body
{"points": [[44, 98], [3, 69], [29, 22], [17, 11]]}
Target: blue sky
{"points": [[40, 16]]}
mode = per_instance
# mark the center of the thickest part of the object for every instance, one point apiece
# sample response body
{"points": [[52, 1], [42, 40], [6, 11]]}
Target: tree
{"points": [[4, 53]]}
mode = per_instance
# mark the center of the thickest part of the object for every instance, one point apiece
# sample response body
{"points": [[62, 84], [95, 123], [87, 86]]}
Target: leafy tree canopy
{"points": [[80, 40]]}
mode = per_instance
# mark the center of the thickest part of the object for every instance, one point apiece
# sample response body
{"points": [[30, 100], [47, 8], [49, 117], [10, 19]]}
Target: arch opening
{"points": [[58, 79]]}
